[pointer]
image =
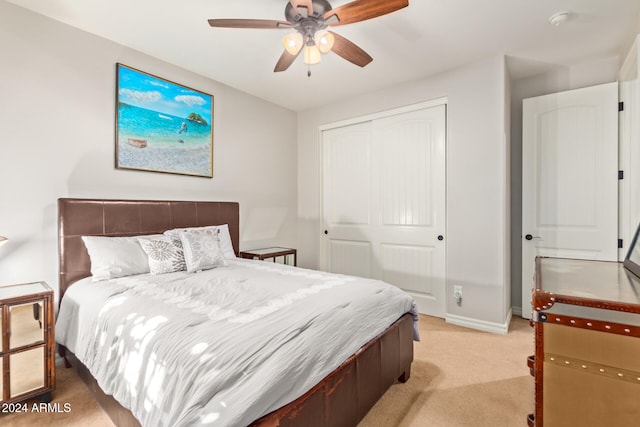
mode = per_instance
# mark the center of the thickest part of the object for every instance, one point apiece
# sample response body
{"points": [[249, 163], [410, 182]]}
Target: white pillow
{"points": [[164, 253], [201, 251], [115, 257], [223, 234]]}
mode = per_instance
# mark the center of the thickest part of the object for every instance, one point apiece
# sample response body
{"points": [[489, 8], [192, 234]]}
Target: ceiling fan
{"points": [[310, 19]]}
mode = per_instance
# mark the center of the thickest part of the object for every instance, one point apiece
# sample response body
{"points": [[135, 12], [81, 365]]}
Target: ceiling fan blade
{"points": [[350, 51], [305, 4], [361, 10], [285, 61], [248, 23]]}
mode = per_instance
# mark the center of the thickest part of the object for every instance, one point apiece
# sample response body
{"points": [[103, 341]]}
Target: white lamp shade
{"points": [[293, 43], [324, 40], [312, 55]]}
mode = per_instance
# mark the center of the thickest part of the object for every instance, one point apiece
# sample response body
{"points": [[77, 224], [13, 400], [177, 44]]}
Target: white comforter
{"points": [[225, 346]]}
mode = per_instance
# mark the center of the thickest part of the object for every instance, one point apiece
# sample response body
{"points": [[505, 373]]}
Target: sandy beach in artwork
{"points": [[187, 159]]}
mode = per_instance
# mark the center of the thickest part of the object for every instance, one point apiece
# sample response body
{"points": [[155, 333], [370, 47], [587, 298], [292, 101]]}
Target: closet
{"points": [[383, 200]]}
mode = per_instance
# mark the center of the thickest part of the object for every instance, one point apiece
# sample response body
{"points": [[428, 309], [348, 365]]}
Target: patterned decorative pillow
{"points": [[165, 254], [201, 251], [221, 230]]}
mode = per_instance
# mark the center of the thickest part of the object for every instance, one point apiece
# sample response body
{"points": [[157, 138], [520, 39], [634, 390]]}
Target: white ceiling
{"points": [[428, 37]]}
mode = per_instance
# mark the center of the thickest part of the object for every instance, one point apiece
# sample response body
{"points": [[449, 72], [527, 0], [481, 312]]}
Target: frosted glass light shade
{"points": [[324, 40], [293, 43], [312, 55]]}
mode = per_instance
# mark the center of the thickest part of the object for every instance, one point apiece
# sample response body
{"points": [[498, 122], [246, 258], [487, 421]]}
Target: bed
{"points": [[339, 397]]}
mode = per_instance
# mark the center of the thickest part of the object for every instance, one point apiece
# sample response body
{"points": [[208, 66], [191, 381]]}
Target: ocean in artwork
{"points": [[174, 144]]}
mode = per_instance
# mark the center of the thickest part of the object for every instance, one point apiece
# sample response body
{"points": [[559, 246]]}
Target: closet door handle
{"points": [[530, 237]]}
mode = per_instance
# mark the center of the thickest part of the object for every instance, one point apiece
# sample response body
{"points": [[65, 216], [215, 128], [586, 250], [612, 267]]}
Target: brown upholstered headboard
{"points": [[97, 217]]}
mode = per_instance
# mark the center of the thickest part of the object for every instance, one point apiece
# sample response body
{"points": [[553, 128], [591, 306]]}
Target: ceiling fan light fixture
{"points": [[293, 43], [309, 18], [324, 40], [312, 55]]}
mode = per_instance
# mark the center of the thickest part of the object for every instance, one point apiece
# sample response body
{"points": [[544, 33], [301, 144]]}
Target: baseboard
{"points": [[517, 311], [496, 328]]}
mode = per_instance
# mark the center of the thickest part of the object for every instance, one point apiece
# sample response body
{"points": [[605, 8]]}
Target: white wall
{"points": [[563, 78], [509, 189], [477, 179], [57, 110]]}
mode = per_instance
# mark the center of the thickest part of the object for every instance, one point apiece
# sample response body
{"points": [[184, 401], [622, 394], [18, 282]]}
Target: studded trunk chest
{"points": [[586, 316]]}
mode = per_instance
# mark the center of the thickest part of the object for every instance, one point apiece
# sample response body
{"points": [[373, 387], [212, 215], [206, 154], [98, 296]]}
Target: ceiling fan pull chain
{"points": [[308, 70]]}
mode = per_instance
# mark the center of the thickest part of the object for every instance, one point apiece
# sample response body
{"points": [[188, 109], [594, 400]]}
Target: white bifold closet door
{"points": [[384, 202]]}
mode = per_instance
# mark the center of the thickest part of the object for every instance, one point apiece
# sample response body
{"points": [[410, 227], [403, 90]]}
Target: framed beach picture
{"points": [[162, 126]]}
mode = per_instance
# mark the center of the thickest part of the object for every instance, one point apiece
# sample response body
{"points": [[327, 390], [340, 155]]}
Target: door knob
{"points": [[530, 237], [441, 237], [326, 232]]}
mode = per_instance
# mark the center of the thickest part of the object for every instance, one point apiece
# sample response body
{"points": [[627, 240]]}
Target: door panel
{"points": [[403, 265], [392, 174], [406, 184], [567, 189], [348, 150], [569, 178], [351, 257]]}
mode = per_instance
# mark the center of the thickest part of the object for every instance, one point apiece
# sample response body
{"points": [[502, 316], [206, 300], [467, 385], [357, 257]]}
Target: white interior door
{"points": [[384, 203], [569, 178]]}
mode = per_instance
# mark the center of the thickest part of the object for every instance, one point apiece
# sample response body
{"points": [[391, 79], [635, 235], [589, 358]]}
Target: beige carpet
{"points": [[460, 377]]}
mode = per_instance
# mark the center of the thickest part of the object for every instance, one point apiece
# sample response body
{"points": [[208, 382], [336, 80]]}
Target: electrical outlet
{"points": [[457, 294]]}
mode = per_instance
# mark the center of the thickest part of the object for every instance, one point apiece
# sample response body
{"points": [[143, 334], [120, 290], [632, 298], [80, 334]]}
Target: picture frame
{"points": [[632, 259], [162, 126]]}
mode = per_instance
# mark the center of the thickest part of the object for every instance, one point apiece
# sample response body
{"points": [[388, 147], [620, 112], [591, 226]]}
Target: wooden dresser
{"points": [[586, 316]]}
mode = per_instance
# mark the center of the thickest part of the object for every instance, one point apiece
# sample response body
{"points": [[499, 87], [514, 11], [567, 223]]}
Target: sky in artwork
{"points": [[146, 91]]}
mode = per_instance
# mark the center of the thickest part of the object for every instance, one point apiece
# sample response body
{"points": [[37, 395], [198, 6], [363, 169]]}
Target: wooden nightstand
{"points": [[27, 342], [288, 255]]}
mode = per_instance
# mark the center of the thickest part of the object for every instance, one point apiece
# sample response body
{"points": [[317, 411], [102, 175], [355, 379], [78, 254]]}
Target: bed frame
{"points": [[341, 399]]}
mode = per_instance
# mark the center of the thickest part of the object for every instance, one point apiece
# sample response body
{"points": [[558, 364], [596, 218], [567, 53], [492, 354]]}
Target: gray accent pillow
{"points": [[201, 251], [165, 254], [221, 230]]}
